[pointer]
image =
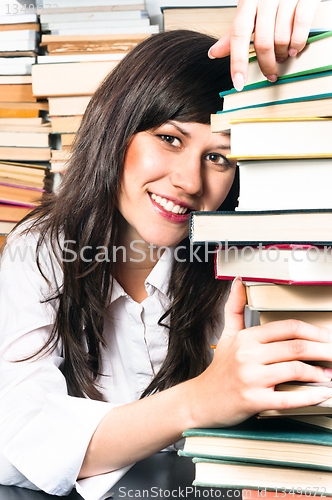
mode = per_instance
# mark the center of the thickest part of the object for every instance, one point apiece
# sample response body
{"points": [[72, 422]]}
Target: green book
{"points": [[295, 481], [315, 57], [307, 87], [279, 442]]}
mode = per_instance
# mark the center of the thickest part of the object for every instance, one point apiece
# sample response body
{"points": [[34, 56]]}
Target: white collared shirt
{"points": [[44, 432]]}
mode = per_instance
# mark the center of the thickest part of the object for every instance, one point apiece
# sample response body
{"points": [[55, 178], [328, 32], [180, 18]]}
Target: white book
{"points": [[15, 79], [151, 29], [92, 16], [16, 65], [64, 106], [96, 24], [12, 61], [17, 45], [19, 18], [88, 3], [116, 56], [19, 35]]}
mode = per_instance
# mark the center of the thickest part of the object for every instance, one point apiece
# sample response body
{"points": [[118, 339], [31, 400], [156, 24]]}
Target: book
{"points": [[304, 86], [18, 18], [273, 297], [144, 27], [20, 195], [64, 106], [318, 106], [6, 227], [25, 139], [322, 421], [284, 184], [227, 474], [14, 46], [39, 105], [74, 9], [30, 173], [24, 153], [13, 213], [284, 264], [17, 92], [317, 318], [36, 121], [98, 14], [16, 65], [20, 27], [91, 3], [17, 35], [265, 227], [69, 79], [267, 441], [44, 128], [18, 113], [281, 137], [67, 139], [15, 79], [81, 44], [65, 124], [215, 21], [314, 58], [67, 58]]}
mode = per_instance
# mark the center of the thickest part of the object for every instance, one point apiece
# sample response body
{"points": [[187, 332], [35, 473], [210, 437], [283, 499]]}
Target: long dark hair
{"points": [[167, 76]]}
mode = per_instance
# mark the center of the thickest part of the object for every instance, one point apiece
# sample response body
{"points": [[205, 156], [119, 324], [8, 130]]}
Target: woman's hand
{"points": [[248, 363], [280, 30]]}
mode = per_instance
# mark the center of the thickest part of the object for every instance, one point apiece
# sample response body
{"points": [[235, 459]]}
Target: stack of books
{"points": [[268, 455], [19, 42], [25, 148], [215, 21], [84, 41], [278, 240]]}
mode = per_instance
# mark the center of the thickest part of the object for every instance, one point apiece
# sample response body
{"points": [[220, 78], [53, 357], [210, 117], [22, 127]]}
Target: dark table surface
{"points": [[161, 476]]}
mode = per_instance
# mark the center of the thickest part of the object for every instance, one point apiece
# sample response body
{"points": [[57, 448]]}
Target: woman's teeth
{"points": [[168, 205]]}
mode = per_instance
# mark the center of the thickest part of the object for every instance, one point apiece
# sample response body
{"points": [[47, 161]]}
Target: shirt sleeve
{"points": [[44, 432]]}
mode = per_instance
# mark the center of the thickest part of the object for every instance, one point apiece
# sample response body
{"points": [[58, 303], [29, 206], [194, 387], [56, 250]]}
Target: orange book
{"points": [[17, 92]]}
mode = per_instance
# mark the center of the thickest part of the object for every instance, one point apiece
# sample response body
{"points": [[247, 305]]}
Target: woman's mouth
{"points": [[169, 205]]}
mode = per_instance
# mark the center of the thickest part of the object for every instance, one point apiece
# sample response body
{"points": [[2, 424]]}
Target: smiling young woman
{"points": [[106, 319]]}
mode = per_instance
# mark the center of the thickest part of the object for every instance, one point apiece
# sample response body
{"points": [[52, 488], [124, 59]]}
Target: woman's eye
{"points": [[217, 159], [170, 139]]}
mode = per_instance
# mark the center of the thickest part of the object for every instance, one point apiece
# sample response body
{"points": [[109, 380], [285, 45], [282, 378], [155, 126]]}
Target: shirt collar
{"points": [[158, 279]]}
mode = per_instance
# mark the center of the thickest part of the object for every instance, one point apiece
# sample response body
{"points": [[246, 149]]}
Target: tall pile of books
{"points": [[84, 40], [24, 132], [279, 240]]}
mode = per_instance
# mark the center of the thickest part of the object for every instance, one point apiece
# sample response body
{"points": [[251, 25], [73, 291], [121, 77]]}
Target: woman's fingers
{"points": [[289, 329], [304, 16], [280, 28], [234, 309]]}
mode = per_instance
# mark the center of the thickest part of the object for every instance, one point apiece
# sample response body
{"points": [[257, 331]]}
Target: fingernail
{"points": [[272, 78], [236, 279], [328, 373], [292, 52], [238, 81], [209, 53], [280, 59]]}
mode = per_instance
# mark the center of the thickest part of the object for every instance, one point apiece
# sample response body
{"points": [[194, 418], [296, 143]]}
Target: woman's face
{"points": [[169, 172]]}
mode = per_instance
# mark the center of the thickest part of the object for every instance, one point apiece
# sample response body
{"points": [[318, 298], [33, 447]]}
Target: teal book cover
{"points": [[231, 474], [269, 441]]}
